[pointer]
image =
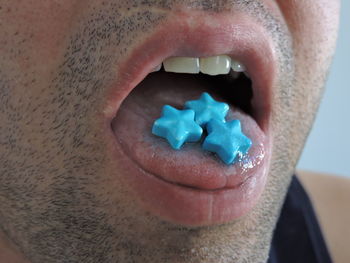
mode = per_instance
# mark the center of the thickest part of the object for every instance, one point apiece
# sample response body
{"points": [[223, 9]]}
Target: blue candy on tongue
{"points": [[226, 139], [206, 109], [177, 126]]}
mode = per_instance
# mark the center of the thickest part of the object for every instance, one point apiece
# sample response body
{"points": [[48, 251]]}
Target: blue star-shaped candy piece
{"points": [[206, 109], [226, 140], [177, 126]]}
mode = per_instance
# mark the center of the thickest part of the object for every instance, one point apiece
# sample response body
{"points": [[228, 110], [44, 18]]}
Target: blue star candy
{"points": [[226, 140], [177, 126], [206, 108]]}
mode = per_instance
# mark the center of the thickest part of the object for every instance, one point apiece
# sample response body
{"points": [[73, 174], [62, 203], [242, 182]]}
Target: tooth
{"points": [[234, 74], [237, 66], [215, 65], [157, 68], [181, 65]]}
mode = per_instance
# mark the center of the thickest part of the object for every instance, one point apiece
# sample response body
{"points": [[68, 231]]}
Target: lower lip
{"points": [[186, 205]]}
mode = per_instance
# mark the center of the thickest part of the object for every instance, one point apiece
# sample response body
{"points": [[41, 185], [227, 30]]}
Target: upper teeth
{"points": [[214, 65], [182, 65]]}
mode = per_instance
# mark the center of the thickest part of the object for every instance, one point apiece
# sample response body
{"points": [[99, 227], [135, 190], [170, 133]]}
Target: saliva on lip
{"points": [[226, 139]]}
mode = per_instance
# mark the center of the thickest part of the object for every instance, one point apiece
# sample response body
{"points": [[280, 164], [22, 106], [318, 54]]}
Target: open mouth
{"points": [[191, 186]]}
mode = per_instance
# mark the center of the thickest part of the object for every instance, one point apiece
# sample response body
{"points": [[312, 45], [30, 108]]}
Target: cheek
{"points": [[36, 29], [313, 25], [313, 28]]}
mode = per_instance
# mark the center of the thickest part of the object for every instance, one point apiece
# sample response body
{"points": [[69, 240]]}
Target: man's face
{"points": [[82, 179]]}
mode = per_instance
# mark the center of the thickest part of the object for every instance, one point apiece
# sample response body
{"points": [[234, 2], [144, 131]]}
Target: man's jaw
{"points": [[190, 187]]}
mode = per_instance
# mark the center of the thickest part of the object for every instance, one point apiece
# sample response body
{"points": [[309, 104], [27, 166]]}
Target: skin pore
{"points": [[61, 199]]}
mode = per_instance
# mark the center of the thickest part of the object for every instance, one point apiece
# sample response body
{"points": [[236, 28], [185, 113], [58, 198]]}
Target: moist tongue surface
{"points": [[190, 166]]}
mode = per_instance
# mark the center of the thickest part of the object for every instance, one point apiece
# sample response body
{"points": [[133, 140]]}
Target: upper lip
{"points": [[194, 35]]}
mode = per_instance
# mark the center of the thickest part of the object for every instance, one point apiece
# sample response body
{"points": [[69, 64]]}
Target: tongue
{"points": [[190, 166]]}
